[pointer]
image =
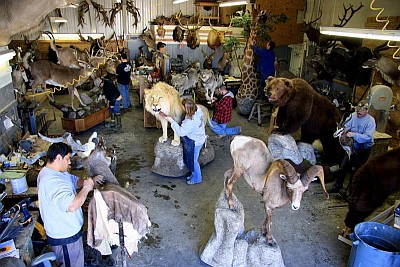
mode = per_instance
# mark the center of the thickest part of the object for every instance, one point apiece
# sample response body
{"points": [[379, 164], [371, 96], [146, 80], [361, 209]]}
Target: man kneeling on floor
{"points": [[223, 114]]}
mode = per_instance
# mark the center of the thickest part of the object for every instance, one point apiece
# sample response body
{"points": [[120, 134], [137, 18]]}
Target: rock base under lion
{"points": [[169, 159], [230, 245]]}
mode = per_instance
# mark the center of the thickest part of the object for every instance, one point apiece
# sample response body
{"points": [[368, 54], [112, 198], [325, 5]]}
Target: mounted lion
{"points": [[163, 97]]}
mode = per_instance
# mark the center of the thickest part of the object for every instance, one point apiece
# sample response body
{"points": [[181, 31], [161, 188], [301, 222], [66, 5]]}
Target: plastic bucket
{"points": [[19, 185], [375, 244]]}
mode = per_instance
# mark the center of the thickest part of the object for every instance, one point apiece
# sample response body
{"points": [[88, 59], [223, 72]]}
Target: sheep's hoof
{"points": [[271, 243]]}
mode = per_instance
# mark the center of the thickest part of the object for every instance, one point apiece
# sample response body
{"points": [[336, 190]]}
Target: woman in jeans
{"points": [[193, 132]]}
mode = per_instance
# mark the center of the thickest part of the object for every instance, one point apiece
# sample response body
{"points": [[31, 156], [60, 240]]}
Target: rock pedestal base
{"points": [[230, 245], [169, 159]]}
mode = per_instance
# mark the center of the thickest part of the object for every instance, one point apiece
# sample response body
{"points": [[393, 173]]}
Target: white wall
{"points": [[331, 9]]}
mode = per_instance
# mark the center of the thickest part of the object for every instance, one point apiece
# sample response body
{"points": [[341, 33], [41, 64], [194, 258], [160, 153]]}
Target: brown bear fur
{"points": [[300, 106]]}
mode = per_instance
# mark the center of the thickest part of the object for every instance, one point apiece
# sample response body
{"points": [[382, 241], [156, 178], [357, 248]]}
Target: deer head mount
{"points": [[208, 59], [149, 37], [192, 34], [215, 37]]}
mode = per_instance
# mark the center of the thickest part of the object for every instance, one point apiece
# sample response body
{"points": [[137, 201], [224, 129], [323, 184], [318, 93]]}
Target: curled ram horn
{"points": [[311, 174], [289, 171]]}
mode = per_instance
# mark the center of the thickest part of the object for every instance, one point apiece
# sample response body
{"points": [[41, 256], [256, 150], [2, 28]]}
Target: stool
{"points": [[260, 109]]}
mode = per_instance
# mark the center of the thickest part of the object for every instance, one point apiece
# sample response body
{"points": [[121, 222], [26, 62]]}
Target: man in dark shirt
{"points": [[124, 79], [223, 114], [266, 61], [110, 91]]}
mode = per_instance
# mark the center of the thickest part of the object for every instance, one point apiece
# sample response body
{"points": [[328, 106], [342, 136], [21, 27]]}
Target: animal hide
{"points": [[122, 207]]}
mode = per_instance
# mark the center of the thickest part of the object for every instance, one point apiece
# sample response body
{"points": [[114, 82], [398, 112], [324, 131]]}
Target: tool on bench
{"points": [[8, 218], [20, 206]]}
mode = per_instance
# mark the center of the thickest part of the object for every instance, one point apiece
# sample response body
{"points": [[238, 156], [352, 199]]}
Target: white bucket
{"points": [[19, 185]]}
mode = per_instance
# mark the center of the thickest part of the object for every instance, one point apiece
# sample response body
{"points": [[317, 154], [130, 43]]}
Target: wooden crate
{"points": [[80, 125], [382, 141]]}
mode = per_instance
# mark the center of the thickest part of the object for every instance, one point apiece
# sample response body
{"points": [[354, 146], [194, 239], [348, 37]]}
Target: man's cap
{"points": [[223, 87], [363, 104]]}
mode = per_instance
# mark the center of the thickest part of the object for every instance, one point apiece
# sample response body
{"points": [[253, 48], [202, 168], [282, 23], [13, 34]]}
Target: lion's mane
{"points": [[163, 97]]}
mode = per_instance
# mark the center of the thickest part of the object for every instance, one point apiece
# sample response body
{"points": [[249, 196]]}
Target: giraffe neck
{"points": [[250, 77]]}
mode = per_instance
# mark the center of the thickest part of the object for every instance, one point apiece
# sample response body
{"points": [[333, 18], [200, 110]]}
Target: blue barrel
{"points": [[375, 244]]}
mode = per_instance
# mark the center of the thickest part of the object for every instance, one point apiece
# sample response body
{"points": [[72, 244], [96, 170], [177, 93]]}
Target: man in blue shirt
{"points": [[124, 79], [266, 61], [360, 128], [60, 205]]}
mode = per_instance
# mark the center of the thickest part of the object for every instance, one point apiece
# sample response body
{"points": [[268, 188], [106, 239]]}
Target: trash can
{"points": [[375, 244]]}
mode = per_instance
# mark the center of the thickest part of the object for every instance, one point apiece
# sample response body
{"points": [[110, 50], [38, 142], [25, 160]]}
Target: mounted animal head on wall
{"points": [[208, 59], [215, 37], [149, 37], [192, 35], [160, 20]]}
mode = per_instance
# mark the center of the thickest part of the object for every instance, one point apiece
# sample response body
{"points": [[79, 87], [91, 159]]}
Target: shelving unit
{"points": [[213, 14]]}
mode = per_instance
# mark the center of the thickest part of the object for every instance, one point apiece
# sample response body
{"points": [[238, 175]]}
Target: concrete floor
{"points": [[182, 215]]}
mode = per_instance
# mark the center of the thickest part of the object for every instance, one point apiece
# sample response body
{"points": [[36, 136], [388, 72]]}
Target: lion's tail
{"points": [[206, 116]]}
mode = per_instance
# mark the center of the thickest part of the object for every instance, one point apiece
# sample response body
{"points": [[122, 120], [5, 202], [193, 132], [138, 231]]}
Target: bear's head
{"points": [[278, 90]]}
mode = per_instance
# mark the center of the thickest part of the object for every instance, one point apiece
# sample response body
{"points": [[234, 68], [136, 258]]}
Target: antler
{"points": [[82, 9], [114, 11], [81, 36], [178, 18], [209, 22], [131, 8], [344, 20], [100, 10], [315, 20]]}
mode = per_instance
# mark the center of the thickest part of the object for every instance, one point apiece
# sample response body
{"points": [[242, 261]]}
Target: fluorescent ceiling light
{"points": [[59, 19], [232, 3], [388, 35], [72, 36], [179, 1]]}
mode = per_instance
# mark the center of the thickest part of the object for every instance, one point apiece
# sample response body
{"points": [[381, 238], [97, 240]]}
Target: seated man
{"points": [[360, 127]]}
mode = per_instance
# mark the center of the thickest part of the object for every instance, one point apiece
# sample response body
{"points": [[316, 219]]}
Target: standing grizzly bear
{"points": [[300, 106]]}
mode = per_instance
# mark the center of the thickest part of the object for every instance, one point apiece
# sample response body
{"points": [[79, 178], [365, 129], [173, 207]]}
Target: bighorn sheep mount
{"points": [[278, 186]]}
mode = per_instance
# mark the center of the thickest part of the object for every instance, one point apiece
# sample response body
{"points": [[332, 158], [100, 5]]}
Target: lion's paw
{"points": [[175, 143], [162, 139]]}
